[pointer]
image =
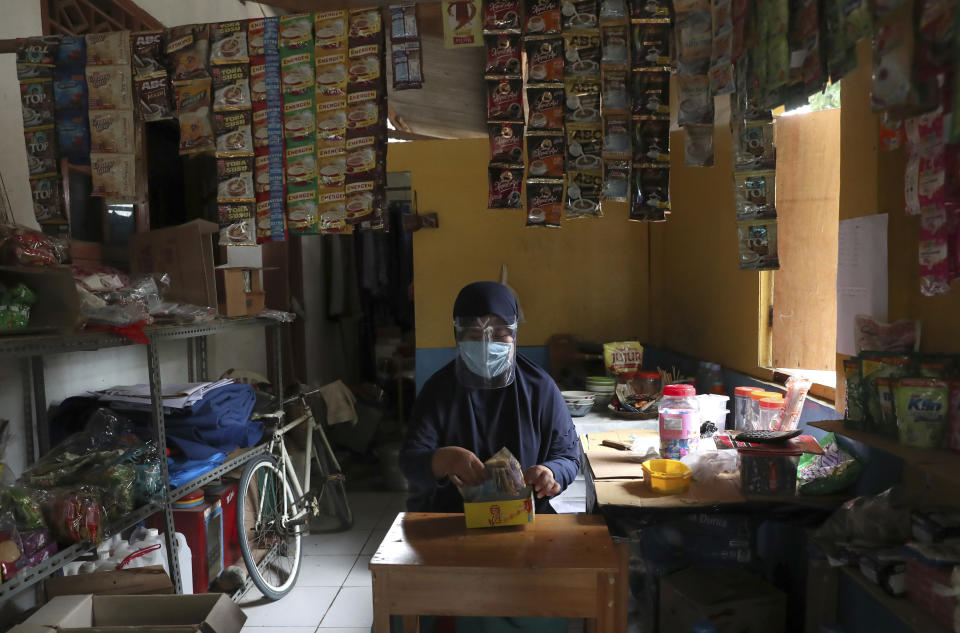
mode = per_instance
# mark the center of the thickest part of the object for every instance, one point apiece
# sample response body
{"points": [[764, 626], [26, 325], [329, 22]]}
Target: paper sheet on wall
{"points": [[861, 275]]}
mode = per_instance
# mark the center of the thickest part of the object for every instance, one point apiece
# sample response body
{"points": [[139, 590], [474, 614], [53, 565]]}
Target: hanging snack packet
{"points": [[545, 154], [753, 145], [41, 147], [114, 175], [584, 147], [623, 359], [361, 201], [652, 46], [505, 184], [107, 49], [579, 14], [299, 120], [297, 72], [613, 10], [231, 88], [506, 143], [755, 194], [651, 93], [616, 181], [331, 166], [333, 214], [892, 68], [616, 137], [582, 54], [650, 10], [698, 145], [651, 142], [543, 17], [235, 180], [255, 30], [923, 412], [403, 23], [228, 42], [582, 100], [296, 32], [757, 245], [544, 59], [407, 63], [584, 189], [934, 252], [332, 76], [330, 31], [108, 88], [153, 98], [193, 112], [45, 192], [501, 15], [73, 134], [899, 336], [546, 108], [694, 42], [258, 80], [364, 68], [302, 215], [37, 56], [187, 48], [614, 44], [695, 101], [236, 221], [503, 54], [361, 158], [505, 100], [37, 101], [544, 202], [853, 416], [234, 133], [651, 195], [615, 98], [69, 92], [300, 160], [879, 376], [365, 26], [111, 131], [148, 53]]}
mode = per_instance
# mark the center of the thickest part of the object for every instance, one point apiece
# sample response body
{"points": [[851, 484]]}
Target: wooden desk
{"points": [[561, 566]]}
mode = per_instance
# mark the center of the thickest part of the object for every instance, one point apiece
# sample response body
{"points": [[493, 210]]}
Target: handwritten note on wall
{"points": [[861, 275]]}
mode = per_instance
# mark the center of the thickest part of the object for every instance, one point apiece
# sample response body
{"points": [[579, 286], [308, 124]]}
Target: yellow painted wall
{"points": [[704, 306], [589, 278], [872, 182]]}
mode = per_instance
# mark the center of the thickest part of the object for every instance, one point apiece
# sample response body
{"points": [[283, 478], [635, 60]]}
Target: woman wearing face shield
{"points": [[487, 398]]}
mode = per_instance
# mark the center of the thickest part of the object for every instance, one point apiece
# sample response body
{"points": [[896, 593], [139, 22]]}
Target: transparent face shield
{"points": [[486, 351]]}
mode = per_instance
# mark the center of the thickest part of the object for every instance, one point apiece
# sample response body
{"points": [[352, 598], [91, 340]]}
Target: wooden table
{"points": [[561, 566]]}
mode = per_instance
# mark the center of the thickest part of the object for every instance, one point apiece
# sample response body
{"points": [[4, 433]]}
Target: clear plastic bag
{"points": [[870, 521], [75, 515], [22, 246], [707, 466], [504, 480], [24, 504], [11, 547]]}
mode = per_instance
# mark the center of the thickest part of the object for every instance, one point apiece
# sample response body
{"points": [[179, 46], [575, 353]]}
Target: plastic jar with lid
{"points": [[769, 410], [679, 414], [647, 383], [741, 405], [753, 414]]}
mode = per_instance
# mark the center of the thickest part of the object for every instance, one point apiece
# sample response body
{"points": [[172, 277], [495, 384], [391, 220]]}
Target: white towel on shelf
{"points": [[341, 403]]}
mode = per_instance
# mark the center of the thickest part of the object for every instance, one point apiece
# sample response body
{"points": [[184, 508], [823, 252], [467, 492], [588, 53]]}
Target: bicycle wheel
{"points": [[269, 542]]}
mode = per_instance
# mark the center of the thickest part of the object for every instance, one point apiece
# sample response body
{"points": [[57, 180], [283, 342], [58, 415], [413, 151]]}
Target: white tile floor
{"points": [[333, 593]]}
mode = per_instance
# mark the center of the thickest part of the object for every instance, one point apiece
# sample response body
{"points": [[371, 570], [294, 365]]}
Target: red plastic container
{"points": [[203, 528], [226, 493]]}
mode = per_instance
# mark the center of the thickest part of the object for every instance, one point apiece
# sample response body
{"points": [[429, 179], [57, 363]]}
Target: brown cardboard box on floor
{"points": [[240, 291], [122, 582], [202, 613], [730, 599], [183, 252]]}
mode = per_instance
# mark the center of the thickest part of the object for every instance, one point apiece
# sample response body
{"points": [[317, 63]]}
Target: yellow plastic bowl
{"points": [[666, 476]]}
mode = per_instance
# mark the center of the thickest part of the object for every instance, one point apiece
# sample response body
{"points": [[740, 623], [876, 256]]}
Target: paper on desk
{"points": [[861, 275], [174, 395]]}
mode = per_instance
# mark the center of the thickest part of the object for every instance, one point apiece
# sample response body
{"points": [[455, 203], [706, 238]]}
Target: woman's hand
{"points": [[460, 465], [541, 478]]}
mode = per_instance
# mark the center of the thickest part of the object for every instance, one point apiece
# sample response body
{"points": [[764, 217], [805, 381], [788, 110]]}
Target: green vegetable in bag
{"points": [[831, 472]]}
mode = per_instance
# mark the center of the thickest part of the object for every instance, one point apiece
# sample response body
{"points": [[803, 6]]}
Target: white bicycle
{"points": [[274, 509]]}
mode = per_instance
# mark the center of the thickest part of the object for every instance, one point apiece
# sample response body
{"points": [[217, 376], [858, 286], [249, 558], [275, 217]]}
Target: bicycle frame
{"points": [[278, 448]]}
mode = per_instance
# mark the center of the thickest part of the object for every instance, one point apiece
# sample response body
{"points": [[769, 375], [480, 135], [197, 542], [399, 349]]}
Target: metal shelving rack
{"points": [[31, 350]]}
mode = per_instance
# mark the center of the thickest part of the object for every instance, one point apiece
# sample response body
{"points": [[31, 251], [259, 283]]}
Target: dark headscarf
{"points": [[486, 297]]}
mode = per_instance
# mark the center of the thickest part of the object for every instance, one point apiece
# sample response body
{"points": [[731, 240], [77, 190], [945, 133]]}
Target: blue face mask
{"points": [[487, 360]]}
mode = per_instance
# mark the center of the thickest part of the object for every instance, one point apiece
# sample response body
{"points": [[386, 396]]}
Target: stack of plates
{"points": [[603, 387], [579, 402]]}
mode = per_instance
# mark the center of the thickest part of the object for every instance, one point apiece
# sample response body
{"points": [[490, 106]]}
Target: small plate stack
{"points": [[579, 402], [603, 388]]}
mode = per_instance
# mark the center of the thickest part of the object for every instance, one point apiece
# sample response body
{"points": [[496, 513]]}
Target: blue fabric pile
{"points": [[218, 423]]}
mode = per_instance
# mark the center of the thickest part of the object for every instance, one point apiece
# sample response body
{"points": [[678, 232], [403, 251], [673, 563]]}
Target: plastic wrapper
{"points": [[651, 94], [698, 145], [506, 143], [11, 547], [879, 376], [24, 504], [75, 515], [899, 336], [755, 194], [278, 316], [504, 480], [757, 245], [753, 145], [544, 202], [834, 471], [545, 155], [870, 521], [694, 42], [22, 246], [707, 466], [109, 298], [797, 389], [584, 189], [623, 359], [505, 188]]}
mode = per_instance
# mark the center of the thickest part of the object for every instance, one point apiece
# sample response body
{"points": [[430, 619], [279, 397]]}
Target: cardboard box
{"points": [[122, 582], [58, 305], [185, 253], [241, 255], [732, 600], [483, 514], [240, 291], [206, 613]]}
